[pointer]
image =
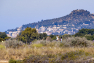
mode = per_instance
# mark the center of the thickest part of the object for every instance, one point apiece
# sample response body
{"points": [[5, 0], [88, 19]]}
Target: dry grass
{"points": [[43, 48], [25, 52]]}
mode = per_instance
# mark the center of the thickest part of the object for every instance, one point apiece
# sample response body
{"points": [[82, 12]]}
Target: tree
{"points": [[53, 37], [42, 36], [83, 32], [6, 38], [28, 35], [88, 33], [65, 36], [1, 39], [3, 36]]}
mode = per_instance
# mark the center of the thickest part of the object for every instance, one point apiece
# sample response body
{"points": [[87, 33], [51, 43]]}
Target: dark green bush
{"points": [[15, 61], [12, 61]]}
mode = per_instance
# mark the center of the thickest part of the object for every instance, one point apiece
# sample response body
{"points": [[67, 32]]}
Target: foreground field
{"points": [[48, 52], [62, 53], [22, 53]]}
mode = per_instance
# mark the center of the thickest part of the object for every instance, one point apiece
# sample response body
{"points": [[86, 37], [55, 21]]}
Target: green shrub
{"points": [[2, 46], [65, 36], [53, 37], [12, 61], [61, 45], [1, 39], [52, 44], [93, 43], [74, 55], [58, 58], [13, 43], [57, 44], [15, 61], [77, 41], [37, 45], [47, 43]]}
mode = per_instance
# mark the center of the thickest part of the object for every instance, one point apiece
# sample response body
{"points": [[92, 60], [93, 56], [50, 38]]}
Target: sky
{"points": [[15, 13]]}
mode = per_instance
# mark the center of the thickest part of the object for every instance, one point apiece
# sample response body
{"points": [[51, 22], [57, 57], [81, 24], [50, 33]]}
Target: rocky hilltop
{"points": [[69, 24]]}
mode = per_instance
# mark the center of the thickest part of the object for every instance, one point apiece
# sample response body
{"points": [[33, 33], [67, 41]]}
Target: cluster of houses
{"points": [[55, 29]]}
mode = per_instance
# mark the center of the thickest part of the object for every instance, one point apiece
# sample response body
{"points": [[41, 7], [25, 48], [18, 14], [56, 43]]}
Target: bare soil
{"points": [[4, 61]]}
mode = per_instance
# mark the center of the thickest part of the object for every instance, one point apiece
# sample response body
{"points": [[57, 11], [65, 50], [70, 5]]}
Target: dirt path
{"points": [[3, 61]]}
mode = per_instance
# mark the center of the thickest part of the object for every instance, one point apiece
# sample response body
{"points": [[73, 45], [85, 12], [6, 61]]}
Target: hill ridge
{"points": [[68, 24]]}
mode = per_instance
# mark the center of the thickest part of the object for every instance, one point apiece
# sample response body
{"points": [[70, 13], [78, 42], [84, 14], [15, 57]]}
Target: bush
{"points": [[15, 61], [48, 38], [75, 56], [50, 44], [12, 61], [59, 58], [2, 46], [56, 44], [77, 41], [47, 43], [42, 59], [36, 59], [37, 45], [72, 55], [28, 35], [13, 43], [53, 37], [65, 36], [1, 39]]}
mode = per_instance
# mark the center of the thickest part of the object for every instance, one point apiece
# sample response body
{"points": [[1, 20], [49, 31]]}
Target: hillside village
{"points": [[14, 34], [69, 24], [60, 29]]}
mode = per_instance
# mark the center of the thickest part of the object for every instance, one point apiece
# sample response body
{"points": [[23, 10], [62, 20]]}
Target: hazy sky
{"points": [[15, 13]]}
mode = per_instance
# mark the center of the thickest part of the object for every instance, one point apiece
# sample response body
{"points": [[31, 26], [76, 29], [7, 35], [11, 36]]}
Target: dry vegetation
{"points": [[52, 51]]}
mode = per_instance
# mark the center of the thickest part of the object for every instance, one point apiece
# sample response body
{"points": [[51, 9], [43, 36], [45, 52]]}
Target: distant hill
{"points": [[69, 24]]}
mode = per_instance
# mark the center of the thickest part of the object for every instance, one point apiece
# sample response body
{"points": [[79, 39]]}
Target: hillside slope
{"points": [[68, 24]]}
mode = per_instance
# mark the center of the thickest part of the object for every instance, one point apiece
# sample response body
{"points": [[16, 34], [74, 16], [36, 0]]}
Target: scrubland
{"points": [[70, 50]]}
